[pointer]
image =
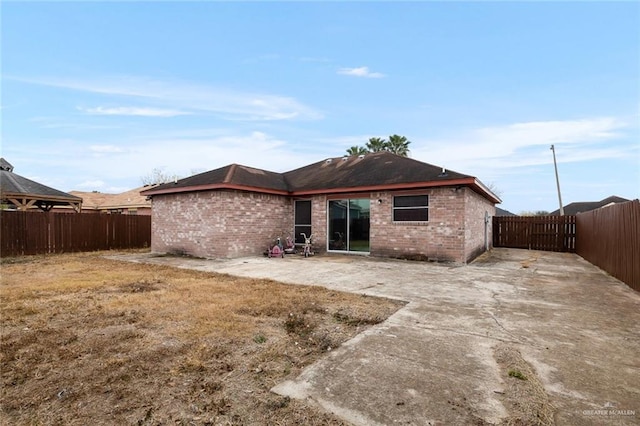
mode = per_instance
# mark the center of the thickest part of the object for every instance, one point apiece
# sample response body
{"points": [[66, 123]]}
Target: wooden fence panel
{"points": [[550, 233], [609, 238], [28, 233]]}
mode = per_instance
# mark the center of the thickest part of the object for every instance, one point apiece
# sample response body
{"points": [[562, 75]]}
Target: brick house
{"points": [[378, 204]]}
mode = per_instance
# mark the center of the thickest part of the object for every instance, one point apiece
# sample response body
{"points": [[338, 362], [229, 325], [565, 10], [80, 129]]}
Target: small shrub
{"points": [[355, 320], [259, 338], [297, 324], [517, 374]]}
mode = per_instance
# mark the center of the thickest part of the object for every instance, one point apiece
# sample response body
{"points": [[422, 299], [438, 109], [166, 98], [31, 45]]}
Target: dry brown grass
{"points": [[524, 395], [86, 340]]}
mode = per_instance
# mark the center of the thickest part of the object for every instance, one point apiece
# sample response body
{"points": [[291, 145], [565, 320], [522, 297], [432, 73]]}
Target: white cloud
{"points": [[61, 122], [179, 95], [527, 144], [314, 59], [517, 158], [551, 132], [106, 149], [135, 111], [175, 153], [488, 153], [360, 72], [92, 184], [337, 146]]}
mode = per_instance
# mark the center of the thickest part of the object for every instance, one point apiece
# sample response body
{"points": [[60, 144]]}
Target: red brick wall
{"points": [[441, 238], [142, 211], [219, 224], [232, 224], [476, 207], [319, 223]]}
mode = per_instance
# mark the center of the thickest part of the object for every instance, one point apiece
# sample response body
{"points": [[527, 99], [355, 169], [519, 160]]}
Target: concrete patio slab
{"points": [[440, 359]]}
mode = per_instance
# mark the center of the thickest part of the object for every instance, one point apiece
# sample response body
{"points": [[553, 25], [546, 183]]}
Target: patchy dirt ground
{"points": [[87, 340]]}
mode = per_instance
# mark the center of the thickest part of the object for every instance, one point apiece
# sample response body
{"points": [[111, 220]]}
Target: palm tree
{"points": [[398, 145], [357, 150], [376, 145]]}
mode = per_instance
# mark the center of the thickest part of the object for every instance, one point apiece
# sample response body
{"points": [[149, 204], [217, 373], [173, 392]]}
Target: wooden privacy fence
{"points": [[26, 233], [550, 233], [609, 238]]}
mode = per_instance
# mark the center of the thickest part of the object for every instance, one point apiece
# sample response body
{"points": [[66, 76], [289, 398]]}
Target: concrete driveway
{"points": [[569, 332]]}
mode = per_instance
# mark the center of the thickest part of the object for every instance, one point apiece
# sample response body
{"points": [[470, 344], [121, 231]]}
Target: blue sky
{"points": [[96, 95]]}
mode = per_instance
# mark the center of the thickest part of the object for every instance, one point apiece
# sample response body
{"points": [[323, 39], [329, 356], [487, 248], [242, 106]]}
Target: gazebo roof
{"points": [[25, 193]]}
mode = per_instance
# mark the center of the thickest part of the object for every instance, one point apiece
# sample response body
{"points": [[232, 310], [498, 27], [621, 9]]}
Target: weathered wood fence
{"points": [[610, 239], [550, 233], [26, 233]]}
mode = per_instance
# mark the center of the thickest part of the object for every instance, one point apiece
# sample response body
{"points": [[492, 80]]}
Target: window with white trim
{"points": [[411, 208]]}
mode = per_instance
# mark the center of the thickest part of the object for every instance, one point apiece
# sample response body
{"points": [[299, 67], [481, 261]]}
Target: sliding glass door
{"points": [[359, 225], [338, 211], [349, 225]]}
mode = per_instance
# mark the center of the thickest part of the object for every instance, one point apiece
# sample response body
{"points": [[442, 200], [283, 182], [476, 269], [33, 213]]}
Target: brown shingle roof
{"points": [[502, 212], [14, 185], [231, 176], [25, 193], [102, 201], [5, 165], [585, 206], [381, 170], [370, 170]]}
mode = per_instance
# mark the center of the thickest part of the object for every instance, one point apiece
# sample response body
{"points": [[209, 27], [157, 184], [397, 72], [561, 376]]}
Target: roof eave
{"points": [[41, 197], [466, 181], [165, 191], [480, 188], [121, 206], [472, 182]]}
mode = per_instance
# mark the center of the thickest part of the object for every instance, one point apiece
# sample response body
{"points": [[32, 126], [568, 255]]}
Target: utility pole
{"points": [[555, 166]]}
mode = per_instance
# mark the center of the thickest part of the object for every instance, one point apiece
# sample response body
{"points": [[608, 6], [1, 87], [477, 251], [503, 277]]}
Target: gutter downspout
{"points": [[486, 230]]}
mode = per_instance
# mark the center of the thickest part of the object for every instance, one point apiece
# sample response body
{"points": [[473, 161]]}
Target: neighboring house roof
{"points": [[4, 165], [374, 171], [585, 206], [126, 200], [25, 193], [502, 212]]}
